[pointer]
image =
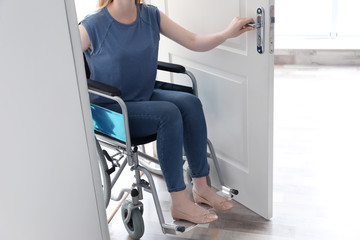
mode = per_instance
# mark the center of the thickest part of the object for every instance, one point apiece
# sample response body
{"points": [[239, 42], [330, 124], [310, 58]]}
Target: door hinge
{"points": [[272, 30]]}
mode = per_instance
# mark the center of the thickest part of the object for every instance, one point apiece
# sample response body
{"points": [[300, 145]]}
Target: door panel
{"points": [[236, 89], [196, 19], [225, 89], [49, 176]]}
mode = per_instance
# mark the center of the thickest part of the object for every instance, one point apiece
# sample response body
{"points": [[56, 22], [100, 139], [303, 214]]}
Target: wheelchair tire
{"points": [[135, 227], [152, 167], [189, 178], [105, 177]]}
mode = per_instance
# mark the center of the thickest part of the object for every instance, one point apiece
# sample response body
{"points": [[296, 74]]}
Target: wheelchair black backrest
{"points": [[87, 69]]}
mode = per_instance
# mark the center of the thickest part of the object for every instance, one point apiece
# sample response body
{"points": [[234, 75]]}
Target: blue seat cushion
{"points": [[110, 124]]}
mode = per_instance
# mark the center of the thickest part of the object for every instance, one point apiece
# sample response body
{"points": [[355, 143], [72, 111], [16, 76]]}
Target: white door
{"points": [[236, 89], [49, 175]]}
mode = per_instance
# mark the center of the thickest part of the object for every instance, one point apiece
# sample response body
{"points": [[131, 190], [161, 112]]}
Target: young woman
{"points": [[121, 42]]}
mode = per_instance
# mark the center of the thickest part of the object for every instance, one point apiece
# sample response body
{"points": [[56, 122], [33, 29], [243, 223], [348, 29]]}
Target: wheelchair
{"points": [[111, 134]]}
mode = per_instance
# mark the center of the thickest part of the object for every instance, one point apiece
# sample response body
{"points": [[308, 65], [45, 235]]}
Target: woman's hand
{"points": [[238, 26]]}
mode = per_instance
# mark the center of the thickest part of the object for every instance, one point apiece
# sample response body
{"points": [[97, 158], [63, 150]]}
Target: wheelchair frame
{"points": [[129, 152]]}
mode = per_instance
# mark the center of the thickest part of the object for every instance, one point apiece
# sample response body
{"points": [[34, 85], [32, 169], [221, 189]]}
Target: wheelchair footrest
{"points": [[178, 226], [228, 192]]}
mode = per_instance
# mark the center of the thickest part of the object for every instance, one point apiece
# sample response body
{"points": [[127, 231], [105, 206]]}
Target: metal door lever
{"points": [[260, 30], [255, 25]]}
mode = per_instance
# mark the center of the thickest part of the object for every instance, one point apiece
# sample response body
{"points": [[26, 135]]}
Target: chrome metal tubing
{"points": [[137, 176], [226, 189], [121, 194], [194, 82], [154, 194], [126, 120], [118, 173], [109, 142], [216, 163]]}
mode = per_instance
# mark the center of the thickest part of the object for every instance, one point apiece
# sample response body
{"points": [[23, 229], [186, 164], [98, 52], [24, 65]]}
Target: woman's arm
{"points": [[202, 42], [85, 40]]}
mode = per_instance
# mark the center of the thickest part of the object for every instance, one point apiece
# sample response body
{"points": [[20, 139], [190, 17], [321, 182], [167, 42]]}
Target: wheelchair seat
{"points": [[104, 121]]}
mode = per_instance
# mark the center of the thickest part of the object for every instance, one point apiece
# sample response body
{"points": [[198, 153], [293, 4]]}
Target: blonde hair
{"points": [[103, 3]]}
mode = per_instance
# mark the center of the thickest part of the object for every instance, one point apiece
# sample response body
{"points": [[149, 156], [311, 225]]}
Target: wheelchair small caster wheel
{"points": [[189, 178], [135, 227]]}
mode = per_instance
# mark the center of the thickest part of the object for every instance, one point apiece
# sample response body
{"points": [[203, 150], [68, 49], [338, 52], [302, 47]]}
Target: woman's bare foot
{"points": [[184, 209], [202, 193]]}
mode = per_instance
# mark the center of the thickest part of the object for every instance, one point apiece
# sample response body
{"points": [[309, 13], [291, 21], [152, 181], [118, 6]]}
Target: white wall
{"points": [[84, 7], [49, 180], [319, 24]]}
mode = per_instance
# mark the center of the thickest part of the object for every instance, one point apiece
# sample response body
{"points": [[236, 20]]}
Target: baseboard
{"points": [[317, 57]]}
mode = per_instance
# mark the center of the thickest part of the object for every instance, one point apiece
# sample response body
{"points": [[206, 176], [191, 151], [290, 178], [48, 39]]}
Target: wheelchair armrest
{"points": [[170, 67], [176, 68], [103, 88]]}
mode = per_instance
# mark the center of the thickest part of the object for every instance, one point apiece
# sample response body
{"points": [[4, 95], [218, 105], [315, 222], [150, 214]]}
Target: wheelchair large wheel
{"points": [[105, 177], [189, 178], [151, 166], [135, 227]]}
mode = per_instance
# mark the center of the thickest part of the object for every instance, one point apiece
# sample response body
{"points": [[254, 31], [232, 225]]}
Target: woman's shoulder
{"points": [[148, 7], [149, 13], [98, 17]]}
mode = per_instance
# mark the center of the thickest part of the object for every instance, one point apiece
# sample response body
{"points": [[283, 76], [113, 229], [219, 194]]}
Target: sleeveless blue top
{"points": [[124, 55]]}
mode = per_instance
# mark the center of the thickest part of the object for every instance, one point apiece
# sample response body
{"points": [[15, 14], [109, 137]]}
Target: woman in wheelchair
{"points": [[120, 42]]}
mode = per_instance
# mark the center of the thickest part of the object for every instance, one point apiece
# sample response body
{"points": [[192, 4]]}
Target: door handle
{"points": [[254, 25], [260, 29]]}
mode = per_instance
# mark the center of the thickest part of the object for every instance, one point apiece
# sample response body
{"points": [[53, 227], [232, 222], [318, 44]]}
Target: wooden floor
{"points": [[316, 166]]}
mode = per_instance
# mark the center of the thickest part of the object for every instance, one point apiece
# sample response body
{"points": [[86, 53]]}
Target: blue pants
{"points": [[178, 120]]}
